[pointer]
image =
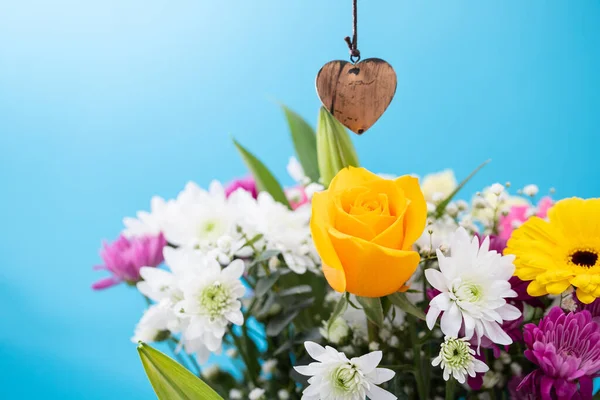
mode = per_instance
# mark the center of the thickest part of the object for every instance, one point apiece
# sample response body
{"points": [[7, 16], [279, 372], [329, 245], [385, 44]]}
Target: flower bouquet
{"points": [[354, 285]]}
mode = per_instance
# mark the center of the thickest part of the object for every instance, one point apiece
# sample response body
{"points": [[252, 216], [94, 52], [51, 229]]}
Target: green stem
{"points": [[373, 332], [450, 389], [194, 362], [421, 388], [245, 357]]}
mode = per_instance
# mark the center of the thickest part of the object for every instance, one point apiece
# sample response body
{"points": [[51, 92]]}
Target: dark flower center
{"points": [[584, 258]]}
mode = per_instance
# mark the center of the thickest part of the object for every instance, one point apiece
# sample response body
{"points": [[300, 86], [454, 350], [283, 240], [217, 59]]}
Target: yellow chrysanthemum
{"points": [[561, 252]]}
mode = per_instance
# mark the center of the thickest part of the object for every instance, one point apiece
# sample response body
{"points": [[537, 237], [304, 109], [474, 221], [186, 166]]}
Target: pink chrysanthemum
{"points": [[125, 256], [248, 184], [519, 214], [566, 347]]}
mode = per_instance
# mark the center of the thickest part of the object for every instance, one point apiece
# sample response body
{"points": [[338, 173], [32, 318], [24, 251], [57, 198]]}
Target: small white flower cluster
{"points": [[486, 210]]}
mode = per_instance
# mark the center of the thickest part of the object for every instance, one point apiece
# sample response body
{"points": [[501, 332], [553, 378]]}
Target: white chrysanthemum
{"points": [[287, 231], [457, 359], [153, 325], [164, 287], [211, 301], [149, 223], [200, 216], [443, 183], [474, 285], [335, 377]]}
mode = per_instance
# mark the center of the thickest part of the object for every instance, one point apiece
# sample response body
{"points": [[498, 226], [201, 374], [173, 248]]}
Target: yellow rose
{"points": [[364, 227]]}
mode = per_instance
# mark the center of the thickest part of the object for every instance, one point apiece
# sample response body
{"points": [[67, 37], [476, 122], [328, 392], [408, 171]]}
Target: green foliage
{"points": [[305, 143], [265, 181], [334, 147], [400, 301], [373, 309], [170, 380]]}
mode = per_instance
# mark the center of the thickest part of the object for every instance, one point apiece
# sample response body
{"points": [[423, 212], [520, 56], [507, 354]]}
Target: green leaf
{"points": [[170, 380], [266, 256], [335, 150], [301, 289], [265, 181], [338, 310], [439, 211], [305, 143], [279, 323], [373, 309], [264, 284], [400, 300], [252, 241]]}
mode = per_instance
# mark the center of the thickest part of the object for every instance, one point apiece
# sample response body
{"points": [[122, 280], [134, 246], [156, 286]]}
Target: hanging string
{"points": [[353, 43]]}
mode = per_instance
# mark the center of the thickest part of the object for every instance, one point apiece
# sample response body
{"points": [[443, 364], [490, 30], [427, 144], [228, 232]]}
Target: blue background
{"points": [[104, 103]]}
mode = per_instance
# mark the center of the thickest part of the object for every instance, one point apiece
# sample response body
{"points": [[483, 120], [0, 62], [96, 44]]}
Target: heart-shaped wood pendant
{"points": [[357, 94]]}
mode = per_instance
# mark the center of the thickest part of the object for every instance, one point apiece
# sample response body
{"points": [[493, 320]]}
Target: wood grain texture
{"points": [[357, 94]]}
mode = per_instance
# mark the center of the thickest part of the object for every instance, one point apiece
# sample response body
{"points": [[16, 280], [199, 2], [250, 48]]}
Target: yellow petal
{"points": [[535, 289], [557, 287], [415, 217], [351, 177], [372, 270], [319, 224], [335, 277], [585, 297], [351, 224], [393, 235], [378, 223]]}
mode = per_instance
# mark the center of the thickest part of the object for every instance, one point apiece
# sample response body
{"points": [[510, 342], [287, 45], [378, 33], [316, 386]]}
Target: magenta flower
{"points": [[566, 348], [518, 214], [593, 307], [125, 256], [248, 184]]}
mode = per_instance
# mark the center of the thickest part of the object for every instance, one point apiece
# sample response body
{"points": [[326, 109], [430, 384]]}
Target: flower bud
{"points": [[335, 150]]}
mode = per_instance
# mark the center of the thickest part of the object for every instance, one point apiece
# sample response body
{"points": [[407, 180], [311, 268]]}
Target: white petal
{"points": [[436, 279], [451, 321], [305, 370], [368, 362], [235, 317], [233, 271], [469, 326], [314, 350], [441, 301], [480, 366], [495, 333], [432, 315], [509, 312], [381, 375], [377, 393]]}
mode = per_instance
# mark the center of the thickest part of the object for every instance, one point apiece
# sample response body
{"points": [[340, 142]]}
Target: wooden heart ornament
{"points": [[357, 94]]}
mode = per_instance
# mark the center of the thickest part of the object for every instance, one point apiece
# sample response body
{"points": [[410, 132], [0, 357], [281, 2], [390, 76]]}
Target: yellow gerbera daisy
{"points": [[561, 252]]}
